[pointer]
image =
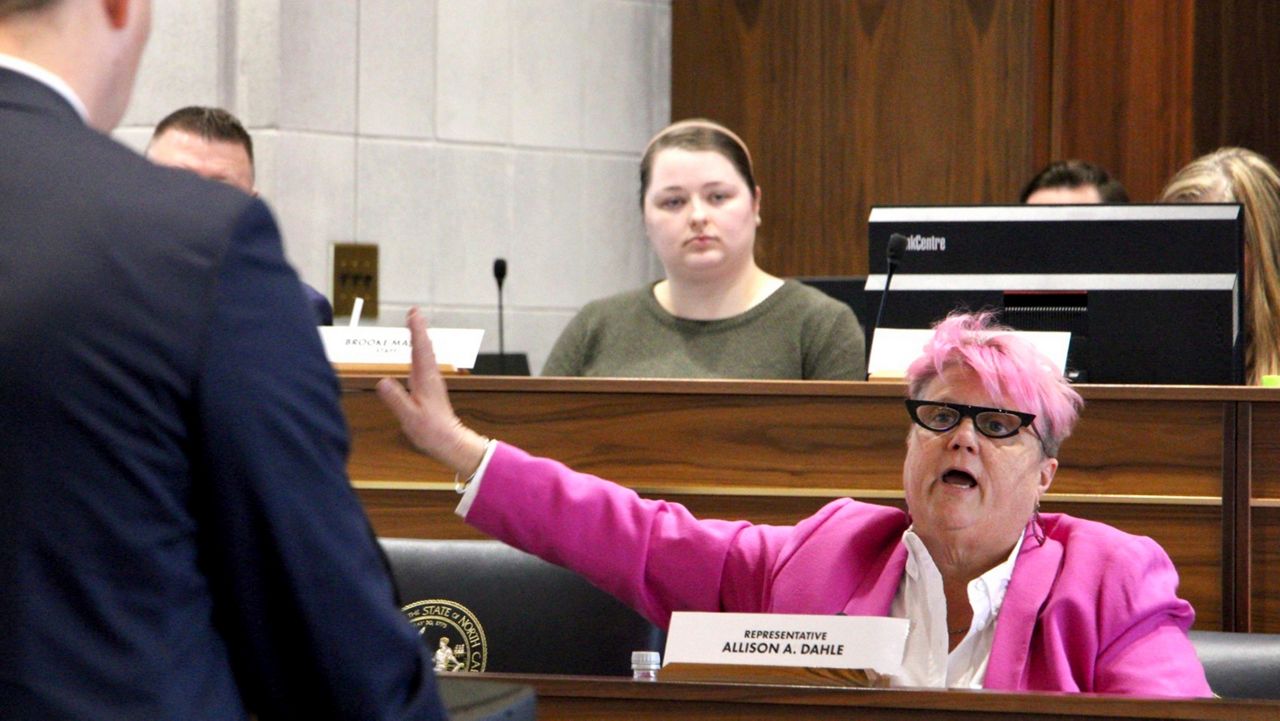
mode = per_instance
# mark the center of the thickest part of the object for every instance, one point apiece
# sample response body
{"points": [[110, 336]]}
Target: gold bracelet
{"points": [[459, 485]]}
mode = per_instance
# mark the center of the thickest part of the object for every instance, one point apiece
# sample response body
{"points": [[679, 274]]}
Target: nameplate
{"points": [[456, 347], [775, 639]]}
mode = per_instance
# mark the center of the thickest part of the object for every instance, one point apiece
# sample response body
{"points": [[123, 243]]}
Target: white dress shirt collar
{"points": [[920, 599], [41, 75]]}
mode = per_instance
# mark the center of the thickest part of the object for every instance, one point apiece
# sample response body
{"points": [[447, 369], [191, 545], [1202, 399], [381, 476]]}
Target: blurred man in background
{"points": [[213, 144]]}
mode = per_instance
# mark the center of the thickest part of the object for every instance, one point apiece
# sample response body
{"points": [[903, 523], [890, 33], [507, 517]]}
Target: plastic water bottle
{"points": [[644, 665]]}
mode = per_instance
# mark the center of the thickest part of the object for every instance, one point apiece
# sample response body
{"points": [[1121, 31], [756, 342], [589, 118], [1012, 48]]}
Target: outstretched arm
{"points": [[653, 555], [426, 416]]}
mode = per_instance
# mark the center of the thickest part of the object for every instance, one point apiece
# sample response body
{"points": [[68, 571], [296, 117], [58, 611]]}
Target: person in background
{"points": [[717, 314], [1238, 175], [178, 536], [1073, 182], [998, 594], [213, 144]]}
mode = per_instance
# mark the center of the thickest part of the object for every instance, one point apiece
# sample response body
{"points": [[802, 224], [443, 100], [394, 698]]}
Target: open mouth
{"points": [[959, 479]]}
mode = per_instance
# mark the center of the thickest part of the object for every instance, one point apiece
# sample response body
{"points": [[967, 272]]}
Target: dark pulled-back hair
{"points": [[1076, 174], [208, 123], [697, 134], [10, 7]]}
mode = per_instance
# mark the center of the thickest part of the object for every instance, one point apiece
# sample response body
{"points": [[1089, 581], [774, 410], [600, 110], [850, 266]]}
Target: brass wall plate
{"points": [[355, 275]]}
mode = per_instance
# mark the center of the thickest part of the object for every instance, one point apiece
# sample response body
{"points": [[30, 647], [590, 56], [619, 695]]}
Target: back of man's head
{"points": [[210, 142], [208, 123], [93, 46], [1091, 183]]}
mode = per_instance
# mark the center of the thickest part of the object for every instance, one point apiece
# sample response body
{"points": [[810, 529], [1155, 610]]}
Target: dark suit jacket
{"points": [[321, 308], [178, 539]]}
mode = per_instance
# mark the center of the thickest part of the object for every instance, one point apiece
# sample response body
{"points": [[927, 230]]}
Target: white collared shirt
{"points": [[921, 600], [42, 75]]}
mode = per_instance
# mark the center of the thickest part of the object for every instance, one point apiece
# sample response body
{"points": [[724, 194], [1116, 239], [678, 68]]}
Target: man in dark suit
{"points": [[213, 144], [178, 539]]}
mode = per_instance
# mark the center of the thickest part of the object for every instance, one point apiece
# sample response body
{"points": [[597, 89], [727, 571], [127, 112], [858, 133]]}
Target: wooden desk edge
{"points": [[1049, 704], [366, 379]]}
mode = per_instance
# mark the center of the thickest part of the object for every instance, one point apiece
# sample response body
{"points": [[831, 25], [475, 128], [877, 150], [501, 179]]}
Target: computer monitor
{"points": [[1150, 293]]}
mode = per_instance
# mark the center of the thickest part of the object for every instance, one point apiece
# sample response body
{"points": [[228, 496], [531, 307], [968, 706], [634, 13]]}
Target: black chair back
{"points": [[1240, 665], [500, 609]]}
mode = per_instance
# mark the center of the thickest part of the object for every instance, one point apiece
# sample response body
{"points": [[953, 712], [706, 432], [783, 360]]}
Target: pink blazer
{"points": [[1092, 609]]}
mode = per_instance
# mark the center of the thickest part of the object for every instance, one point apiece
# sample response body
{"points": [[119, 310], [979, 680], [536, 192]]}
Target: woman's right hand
{"points": [[426, 416]]}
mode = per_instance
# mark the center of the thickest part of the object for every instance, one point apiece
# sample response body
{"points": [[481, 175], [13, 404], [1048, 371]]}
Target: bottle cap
{"points": [[1271, 381], [643, 659]]}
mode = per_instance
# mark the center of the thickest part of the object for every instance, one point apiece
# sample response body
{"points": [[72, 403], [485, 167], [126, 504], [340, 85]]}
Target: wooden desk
{"points": [[579, 698], [1196, 468], [1259, 520]]}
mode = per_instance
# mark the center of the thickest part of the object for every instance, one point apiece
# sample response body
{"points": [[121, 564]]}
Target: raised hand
{"points": [[425, 414]]}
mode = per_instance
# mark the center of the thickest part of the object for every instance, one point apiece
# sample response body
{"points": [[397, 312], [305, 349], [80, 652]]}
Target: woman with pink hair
{"points": [[998, 595]]}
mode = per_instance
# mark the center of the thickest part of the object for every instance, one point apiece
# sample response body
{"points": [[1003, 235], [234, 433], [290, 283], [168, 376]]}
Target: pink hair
{"points": [[1008, 367]]}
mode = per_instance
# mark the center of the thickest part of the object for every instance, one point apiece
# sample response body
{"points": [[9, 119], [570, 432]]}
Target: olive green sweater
{"points": [[798, 332]]}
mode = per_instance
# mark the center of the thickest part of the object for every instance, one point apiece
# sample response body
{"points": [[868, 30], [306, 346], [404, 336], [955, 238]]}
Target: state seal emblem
{"points": [[453, 631]]}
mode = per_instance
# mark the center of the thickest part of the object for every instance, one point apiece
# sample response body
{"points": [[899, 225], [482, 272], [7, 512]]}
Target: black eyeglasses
{"points": [[990, 422]]}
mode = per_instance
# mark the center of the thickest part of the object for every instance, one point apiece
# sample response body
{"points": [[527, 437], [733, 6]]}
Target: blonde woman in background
{"points": [[1238, 175]]}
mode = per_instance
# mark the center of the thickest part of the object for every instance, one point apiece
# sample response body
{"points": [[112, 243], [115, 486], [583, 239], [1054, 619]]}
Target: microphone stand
{"points": [[501, 363], [893, 253], [500, 273]]}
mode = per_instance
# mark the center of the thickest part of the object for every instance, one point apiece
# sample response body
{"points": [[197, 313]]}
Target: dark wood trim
{"points": [[1241, 539], [858, 389], [565, 697], [1042, 88], [1230, 423]]}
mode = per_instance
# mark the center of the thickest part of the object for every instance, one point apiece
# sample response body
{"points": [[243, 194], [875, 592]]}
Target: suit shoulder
{"points": [[603, 311], [624, 300], [813, 303], [1101, 546], [126, 193], [1083, 531], [846, 516], [172, 195]]}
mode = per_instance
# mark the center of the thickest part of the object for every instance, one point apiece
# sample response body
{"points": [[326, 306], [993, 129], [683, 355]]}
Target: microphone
{"points": [[500, 270], [500, 363], [893, 254], [500, 274]]}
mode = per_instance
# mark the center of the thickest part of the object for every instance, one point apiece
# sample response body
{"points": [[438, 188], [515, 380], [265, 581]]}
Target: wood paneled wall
{"points": [[1121, 79], [1237, 75], [1263, 573], [852, 103], [849, 105]]}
